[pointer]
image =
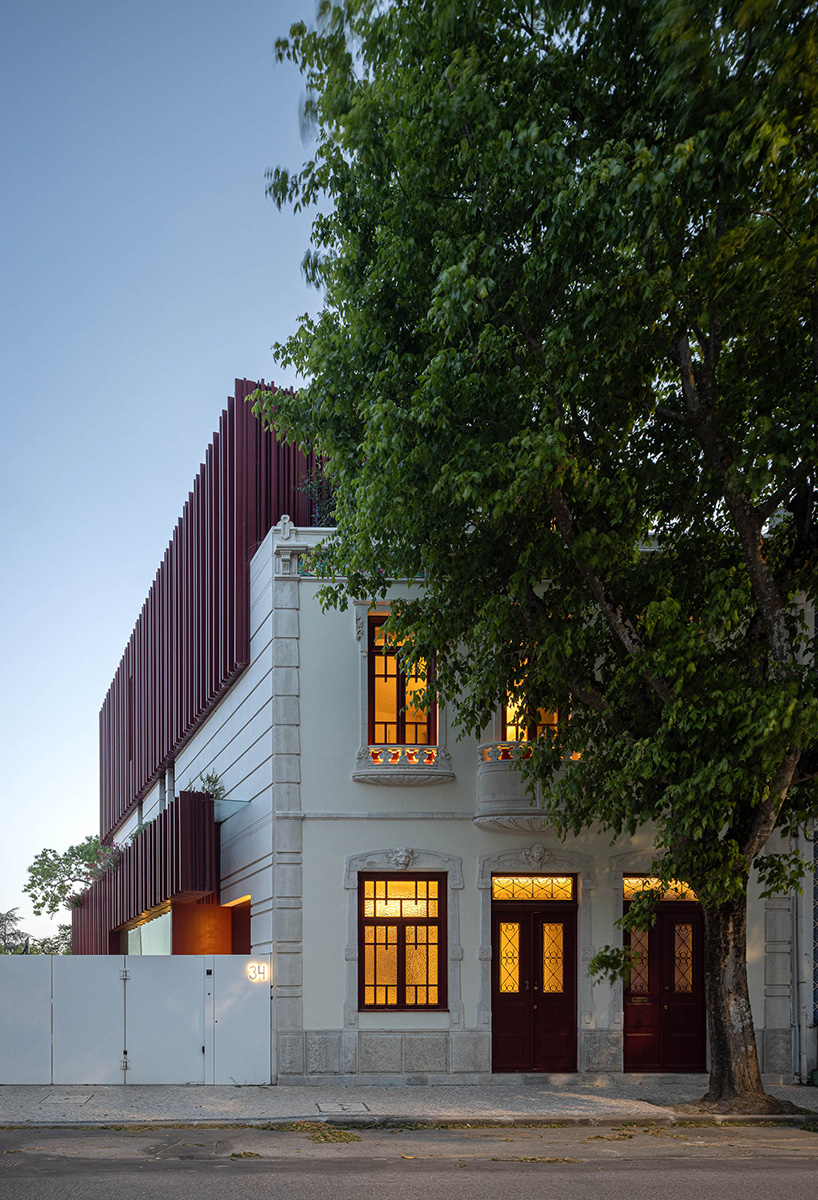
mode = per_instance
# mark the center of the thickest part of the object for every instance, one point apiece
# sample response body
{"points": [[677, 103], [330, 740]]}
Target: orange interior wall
{"points": [[201, 929], [241, 928]]}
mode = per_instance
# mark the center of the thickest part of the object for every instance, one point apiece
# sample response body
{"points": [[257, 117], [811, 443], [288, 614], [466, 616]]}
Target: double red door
{"points": [[534, 987], [665, 1017]]}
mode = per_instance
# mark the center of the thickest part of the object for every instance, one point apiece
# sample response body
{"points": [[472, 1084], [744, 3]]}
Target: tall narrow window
{"points": [[683, 958], [553, 958], [509, 956], [395, 715], [402, 941], [639, 962]]}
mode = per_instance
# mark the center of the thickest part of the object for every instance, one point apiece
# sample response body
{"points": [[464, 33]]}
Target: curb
{"points": [[414, 1122]]}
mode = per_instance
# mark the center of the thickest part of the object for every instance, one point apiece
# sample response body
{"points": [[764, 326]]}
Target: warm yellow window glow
{"points": [[634, 884], [532, 887], [520, 725], [552, 958], [402, 942], [381, 964], [386, 699], [509, 957], [400, 898], [416, 717], [397, 716], [421, 964]]}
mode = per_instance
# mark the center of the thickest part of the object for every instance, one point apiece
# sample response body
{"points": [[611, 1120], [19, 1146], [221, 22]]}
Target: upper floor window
{"points": [[396, 717], [521, 724]]}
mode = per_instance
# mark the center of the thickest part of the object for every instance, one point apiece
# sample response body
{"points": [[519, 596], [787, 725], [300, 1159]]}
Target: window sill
{"points": [[403, 766]]}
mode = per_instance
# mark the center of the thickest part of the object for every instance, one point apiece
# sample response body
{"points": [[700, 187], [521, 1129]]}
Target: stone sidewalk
{"points": [[605, 1099]]}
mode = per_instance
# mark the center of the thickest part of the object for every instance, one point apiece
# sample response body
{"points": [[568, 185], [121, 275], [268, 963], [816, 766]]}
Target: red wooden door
{"points": [[665, 1016], [534, 1002]]}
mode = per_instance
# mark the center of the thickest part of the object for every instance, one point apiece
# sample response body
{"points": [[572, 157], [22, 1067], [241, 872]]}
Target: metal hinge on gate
{"points": [[124, 1065], [124, 973]]}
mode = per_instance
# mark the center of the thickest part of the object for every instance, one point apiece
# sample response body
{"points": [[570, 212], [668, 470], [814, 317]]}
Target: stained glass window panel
{"points": [[509, 957], [683, 958], [532, 887], [552, 958], [381, 964], [639, 961], [401, 898], [632, 885], [421, 964], [402, 933]]}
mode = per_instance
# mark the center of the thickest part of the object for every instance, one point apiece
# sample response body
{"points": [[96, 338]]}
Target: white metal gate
{"points": [[137, 1019]]}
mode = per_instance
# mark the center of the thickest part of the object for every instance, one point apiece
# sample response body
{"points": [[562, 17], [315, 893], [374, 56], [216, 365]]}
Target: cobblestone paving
{"points": [[601, 1098]]}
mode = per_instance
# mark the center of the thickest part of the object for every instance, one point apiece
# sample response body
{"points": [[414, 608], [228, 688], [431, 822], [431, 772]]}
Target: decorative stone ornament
{"points": [[403, 766], [400, 858], [537, 857]]}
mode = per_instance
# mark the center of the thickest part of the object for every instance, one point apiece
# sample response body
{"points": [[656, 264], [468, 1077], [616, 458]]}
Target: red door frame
{"points": [[535, 1031], [666, 1029]]}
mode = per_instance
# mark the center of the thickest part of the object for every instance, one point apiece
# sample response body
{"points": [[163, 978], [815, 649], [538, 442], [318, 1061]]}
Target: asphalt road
{"points": [[628, 1162]]}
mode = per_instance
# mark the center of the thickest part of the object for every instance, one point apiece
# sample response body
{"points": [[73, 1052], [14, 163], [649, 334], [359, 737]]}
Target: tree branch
{"points": [[767, 813], [746, 520], [613, 612], [796, 476]]}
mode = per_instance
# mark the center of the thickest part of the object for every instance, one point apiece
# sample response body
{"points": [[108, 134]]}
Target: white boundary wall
{"points": [[184, 1019]]}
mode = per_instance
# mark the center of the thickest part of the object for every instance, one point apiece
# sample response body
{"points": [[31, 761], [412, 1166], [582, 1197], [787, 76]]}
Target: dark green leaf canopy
{"points": [[566, 373]]}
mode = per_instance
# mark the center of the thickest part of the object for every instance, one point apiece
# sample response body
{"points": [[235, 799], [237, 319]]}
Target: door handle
{"points": [[526, 985]]}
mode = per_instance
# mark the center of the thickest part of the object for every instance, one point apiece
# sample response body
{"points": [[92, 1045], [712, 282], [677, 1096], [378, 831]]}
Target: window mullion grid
{"points": [[400, 688], [401, 923]]}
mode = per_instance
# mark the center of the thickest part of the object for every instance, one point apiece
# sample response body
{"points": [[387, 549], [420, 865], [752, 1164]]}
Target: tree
{"points": [[53, 878], [11, 935], [570, 334], [54, 943]]}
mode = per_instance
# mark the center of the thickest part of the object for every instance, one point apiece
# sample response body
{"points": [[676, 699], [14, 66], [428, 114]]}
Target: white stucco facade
{"points": [[290, 740]]}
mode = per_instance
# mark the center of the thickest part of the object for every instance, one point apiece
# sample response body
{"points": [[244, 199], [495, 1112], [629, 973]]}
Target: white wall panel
{"points": [[164, 1019], [88, 1018], [25, 1018], [241, 1028]]}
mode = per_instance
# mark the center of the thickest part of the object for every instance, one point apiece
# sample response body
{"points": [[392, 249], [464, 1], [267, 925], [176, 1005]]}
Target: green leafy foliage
{"points": [[54, 878], [209, 781], [54, 943], [565, 372], [11, 935]]}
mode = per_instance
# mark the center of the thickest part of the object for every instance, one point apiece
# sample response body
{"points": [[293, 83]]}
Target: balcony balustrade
{"points": [[403, 766], [504, 802]]}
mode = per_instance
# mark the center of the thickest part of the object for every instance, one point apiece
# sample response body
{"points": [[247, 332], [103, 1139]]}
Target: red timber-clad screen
{"points": [[174, 859], [192, 638]]}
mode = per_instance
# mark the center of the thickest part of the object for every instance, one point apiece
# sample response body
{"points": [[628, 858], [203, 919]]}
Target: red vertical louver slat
{"points": [[192, 636], [174, 858]]}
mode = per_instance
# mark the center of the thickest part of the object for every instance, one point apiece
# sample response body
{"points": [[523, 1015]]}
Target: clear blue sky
{"points": [[142, 270]]}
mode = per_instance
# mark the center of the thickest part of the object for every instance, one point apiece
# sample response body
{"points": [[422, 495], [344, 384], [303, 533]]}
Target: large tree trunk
{"points": [[735, 1077]]}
